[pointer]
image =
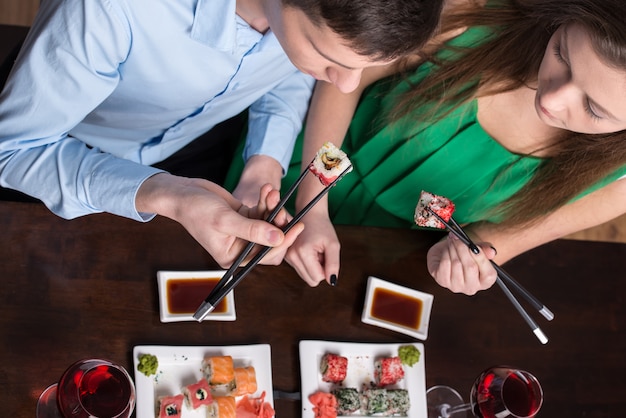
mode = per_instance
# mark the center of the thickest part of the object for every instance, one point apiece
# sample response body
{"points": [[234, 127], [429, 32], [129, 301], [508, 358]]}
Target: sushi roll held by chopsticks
{"points": [[329, 166], [330, 163]]}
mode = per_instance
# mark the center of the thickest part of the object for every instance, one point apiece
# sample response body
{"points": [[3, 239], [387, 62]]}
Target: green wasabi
{"points": [[409, 354], [148, 364]]}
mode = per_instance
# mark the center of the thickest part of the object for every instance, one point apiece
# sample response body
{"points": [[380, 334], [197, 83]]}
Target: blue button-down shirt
{"points": [[104, 88]]}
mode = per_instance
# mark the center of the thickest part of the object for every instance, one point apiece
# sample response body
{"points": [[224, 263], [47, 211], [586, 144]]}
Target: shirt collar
{"points": [[215, 24]]}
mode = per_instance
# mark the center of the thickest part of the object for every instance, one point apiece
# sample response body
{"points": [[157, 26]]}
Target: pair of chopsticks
{"points": [[229, 280], [503, 276]]}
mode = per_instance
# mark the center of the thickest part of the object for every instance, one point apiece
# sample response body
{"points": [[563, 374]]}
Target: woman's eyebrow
{"points": [[564, 45], [601, 109], [329, 58], [597, 107]]}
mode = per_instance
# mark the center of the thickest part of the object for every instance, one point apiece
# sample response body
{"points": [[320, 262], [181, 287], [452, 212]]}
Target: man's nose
{"points": [[345, 80]]}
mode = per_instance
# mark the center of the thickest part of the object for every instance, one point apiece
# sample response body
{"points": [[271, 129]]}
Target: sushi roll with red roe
{"points": [[442, 206], [388, 371], [171, 406], [329, 163], [333, 368], [198, 394]]}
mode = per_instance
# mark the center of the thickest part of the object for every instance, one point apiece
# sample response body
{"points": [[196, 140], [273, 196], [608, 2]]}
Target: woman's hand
{"points": [[455, 267], [315, 254]]}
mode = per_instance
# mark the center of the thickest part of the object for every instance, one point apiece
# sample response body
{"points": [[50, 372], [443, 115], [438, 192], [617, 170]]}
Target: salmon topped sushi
{"points": [[245, 381], [329, 163], [198, 394], [219, 371], [223, 407], [442, 206]]}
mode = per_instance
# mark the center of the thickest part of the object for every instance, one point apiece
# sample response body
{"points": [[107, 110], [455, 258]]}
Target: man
{"points": [[104, 92]]}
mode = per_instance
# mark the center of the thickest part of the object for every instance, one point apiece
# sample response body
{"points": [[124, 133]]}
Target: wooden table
{"points": [[87, 287]]}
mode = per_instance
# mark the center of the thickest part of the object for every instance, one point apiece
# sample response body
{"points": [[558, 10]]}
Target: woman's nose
{"points": [[559, 95]]}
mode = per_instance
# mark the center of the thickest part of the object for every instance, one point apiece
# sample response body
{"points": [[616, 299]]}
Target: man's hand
{"points": [[214, 218], [259, 170]]}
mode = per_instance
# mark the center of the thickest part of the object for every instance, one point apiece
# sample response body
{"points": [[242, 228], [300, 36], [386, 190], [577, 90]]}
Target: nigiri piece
{"points": [[171, 406], [245, 381], [329, 163], [333, 368], [219, 371], [442, 206], [198, 394]]}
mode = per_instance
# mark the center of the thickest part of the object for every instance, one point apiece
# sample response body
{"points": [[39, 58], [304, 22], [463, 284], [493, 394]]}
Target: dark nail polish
{"points": [[333, 279], [494, 249], [474, 249]]}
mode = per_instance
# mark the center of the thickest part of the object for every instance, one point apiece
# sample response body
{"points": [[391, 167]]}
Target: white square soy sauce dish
{"points": [[398, 308], [175, 288]]}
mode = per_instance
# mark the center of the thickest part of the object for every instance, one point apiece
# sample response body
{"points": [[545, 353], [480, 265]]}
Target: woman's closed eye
{"points": [[590, 111], [557, 53]]}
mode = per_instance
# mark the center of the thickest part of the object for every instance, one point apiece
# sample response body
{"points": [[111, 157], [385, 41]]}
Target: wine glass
{"points": [[498, 392], [89, 388]]}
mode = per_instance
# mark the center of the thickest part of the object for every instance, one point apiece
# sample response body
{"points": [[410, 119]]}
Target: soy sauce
{"points": [[396, 308], [184, 296]]}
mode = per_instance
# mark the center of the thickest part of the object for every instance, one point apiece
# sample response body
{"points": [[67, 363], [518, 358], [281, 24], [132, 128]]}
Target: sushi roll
{"points": [[171, 406], [348, 400], [388, 371], [198, 394], [442, 206], [329, 163], [398, 401], [219, 371], [245, 381], [223, 407], [333, 368], [374, 401]]}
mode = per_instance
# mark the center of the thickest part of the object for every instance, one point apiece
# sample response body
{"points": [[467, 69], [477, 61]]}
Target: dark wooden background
{"points": [[87, 287]]}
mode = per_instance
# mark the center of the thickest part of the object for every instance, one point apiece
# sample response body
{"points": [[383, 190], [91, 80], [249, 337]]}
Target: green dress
{"points": [[453, 157]]}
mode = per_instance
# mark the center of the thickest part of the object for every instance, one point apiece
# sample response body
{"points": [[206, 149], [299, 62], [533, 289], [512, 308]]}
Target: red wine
{"points": [[502, 392], [94, 388], [104, 391]]}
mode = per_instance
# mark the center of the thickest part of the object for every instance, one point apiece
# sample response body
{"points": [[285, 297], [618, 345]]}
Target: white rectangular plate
{"points": [[361, 359], [164, 276], [181, 365], [374, 283]]}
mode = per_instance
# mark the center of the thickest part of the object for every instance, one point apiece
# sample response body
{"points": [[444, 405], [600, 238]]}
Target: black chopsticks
{"points": [[226, 284], [503, 276]]}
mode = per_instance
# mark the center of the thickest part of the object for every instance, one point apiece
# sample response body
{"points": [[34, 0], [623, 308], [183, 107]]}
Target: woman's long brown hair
{"points": [[510, 59]]}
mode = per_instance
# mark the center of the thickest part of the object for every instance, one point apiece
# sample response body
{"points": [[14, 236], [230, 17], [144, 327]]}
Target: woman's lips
{"points": [[545, 111]]}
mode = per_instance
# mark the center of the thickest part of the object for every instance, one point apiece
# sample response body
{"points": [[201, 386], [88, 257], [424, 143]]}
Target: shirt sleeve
{"points": [[67, 66], [275, 120]]}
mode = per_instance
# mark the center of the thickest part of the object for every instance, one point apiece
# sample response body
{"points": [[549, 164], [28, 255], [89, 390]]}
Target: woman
{"points": [[519, 120]]}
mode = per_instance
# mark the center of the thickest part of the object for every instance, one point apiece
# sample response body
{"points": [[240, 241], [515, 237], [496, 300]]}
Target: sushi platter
{"points": [[362, 359], [179, 366]]}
